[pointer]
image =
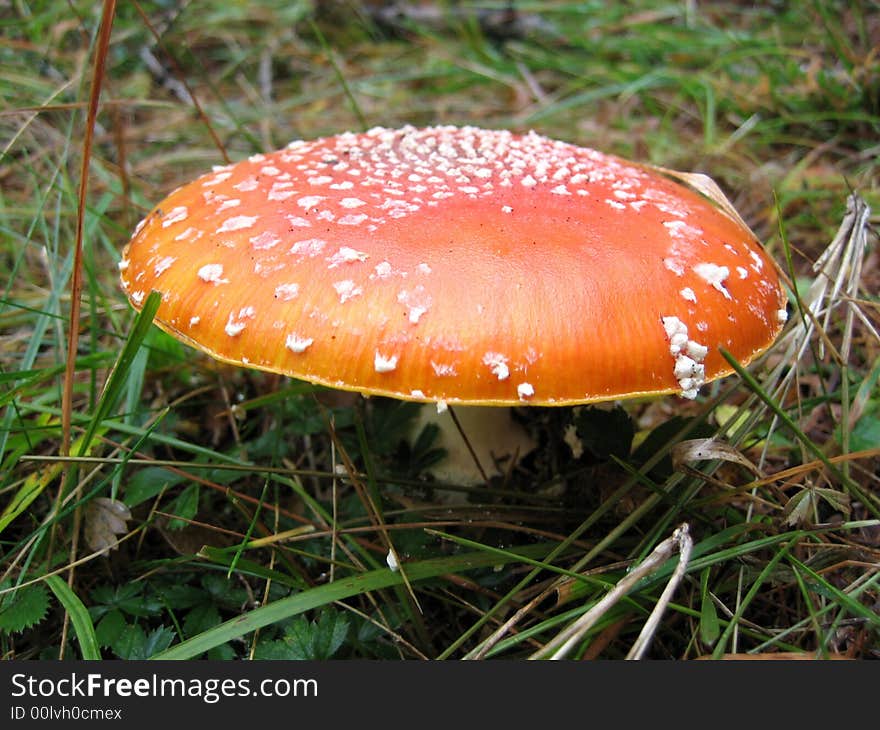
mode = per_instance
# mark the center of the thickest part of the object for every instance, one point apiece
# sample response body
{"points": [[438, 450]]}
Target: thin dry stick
{"points": [[480, 651], [685, 546], [76, 281], [103, 44], [560, 646], [837, 268], [858, 243], [483, 649]]}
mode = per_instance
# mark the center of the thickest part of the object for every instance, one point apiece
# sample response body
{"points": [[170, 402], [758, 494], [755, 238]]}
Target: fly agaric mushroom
{"points": [[457, 265]]}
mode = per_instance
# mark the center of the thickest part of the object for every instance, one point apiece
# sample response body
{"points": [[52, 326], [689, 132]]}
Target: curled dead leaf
{"points": [[804, 504], [708, 187], [691, 450], [105, 518]]}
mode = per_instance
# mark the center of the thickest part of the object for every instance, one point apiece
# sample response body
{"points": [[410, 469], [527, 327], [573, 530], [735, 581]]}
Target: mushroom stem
{"points": [[467, 443], [478, 440]]}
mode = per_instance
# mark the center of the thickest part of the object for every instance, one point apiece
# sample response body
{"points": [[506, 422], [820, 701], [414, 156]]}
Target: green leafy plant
{"points": [[23, 608], [303, 639]]}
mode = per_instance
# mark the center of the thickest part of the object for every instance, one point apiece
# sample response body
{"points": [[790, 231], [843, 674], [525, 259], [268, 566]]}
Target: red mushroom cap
{"points": [[460, 265]]}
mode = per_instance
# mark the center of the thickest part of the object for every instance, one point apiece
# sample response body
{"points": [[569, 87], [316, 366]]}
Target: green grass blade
{"points": [[764, 575], [338, 590], [710, 628], [79, 617], [819, 585], [116, 381]]}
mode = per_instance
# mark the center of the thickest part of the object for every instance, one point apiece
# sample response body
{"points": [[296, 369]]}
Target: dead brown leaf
{"points": [[105, 518]]}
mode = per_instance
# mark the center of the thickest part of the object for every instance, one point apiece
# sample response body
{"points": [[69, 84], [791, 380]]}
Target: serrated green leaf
{"points": [[109, 628], [329, 633], [179, 597], [127, 597], [134, 644], [315, 640], [224, 591], [201, 618], [222, 653], [24, 608], [158, 640], [274, 650], [130, 642], [299, 639]]}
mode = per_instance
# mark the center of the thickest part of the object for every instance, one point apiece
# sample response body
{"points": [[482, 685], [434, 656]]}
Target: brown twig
{"points": [[101, 49]]}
